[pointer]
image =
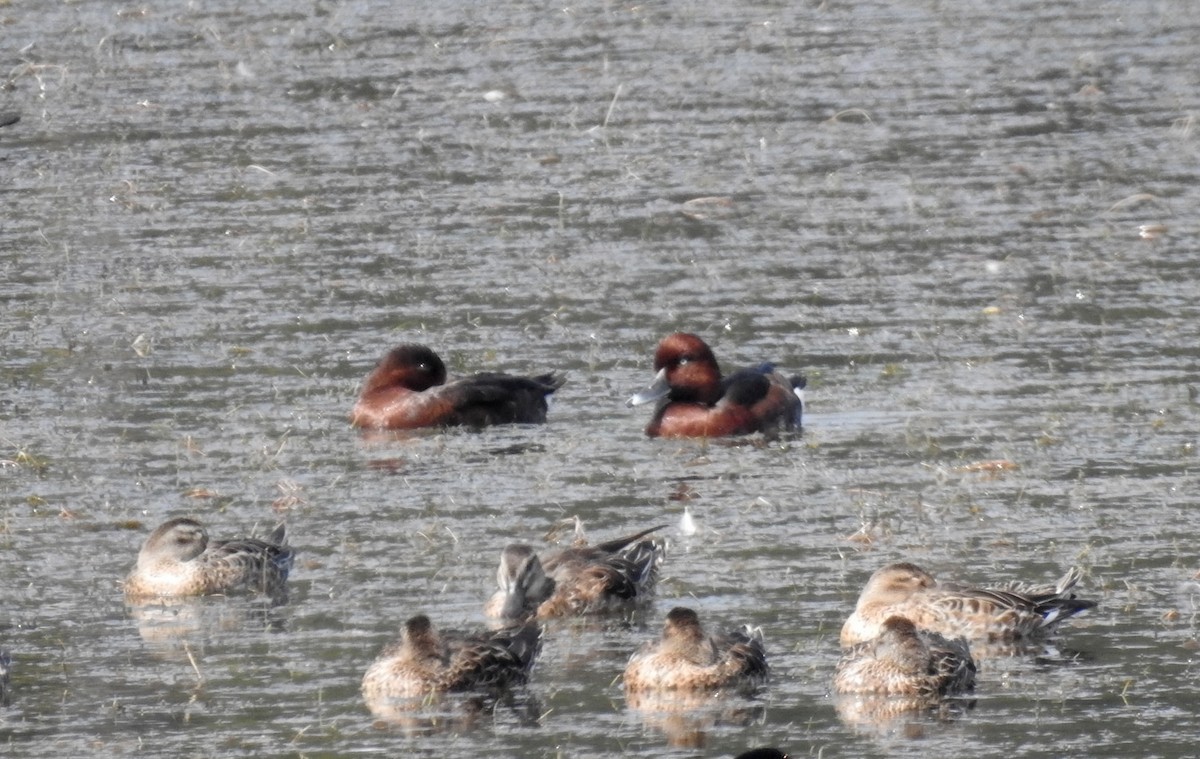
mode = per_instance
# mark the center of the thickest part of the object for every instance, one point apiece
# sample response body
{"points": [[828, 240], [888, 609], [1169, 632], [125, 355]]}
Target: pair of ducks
{"points": [[408, 389], [909, 635]]}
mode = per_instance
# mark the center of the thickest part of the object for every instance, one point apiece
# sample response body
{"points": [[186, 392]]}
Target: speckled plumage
{"points": [[178, 559], [989, 615], [578, 580], [687, 658], [906, 661], [424, 661]]}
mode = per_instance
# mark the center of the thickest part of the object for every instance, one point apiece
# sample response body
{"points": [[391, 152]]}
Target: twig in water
{"points": [[187, 649], [612, 105]]}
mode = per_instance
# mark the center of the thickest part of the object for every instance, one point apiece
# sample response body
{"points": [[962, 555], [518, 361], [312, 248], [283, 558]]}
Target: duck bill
{"points": [[658, 389], [514, 605]]}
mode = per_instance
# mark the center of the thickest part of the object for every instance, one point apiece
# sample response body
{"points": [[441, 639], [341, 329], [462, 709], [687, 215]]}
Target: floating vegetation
{"points": [[39, 465], [992, 466], [201, 493]]}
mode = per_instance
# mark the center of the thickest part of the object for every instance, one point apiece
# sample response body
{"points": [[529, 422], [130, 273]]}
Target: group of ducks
{"points": [[178, 559], [910, 639]]}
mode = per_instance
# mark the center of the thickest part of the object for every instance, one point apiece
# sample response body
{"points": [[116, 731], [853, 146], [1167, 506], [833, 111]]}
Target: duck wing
{"points": [[250, 562], [490, 661], [744, 654], [490, 398]]}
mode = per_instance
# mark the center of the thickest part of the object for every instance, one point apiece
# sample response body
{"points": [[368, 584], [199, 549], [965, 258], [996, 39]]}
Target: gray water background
{"points": [[217, 215]]}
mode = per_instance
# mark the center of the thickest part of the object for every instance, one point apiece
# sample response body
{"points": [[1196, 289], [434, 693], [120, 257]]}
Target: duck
{"points": [[686, 658], [178, 559], [903, 660], [1007, 614], [695, 401], [408, 389], [579, 580], [424, 661]]}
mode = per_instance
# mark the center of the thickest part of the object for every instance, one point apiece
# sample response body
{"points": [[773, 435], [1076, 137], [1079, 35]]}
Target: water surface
{"points": [[971, 224]]}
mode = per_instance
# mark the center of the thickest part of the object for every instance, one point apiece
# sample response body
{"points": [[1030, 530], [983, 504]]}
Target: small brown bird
{"points": [[424, 661], [583, 579], [687, 658], [1015, 612], [905, 661], [178, 559]]}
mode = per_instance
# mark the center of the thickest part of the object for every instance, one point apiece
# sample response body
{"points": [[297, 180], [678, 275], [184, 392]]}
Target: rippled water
{"points": [[971, 224]]}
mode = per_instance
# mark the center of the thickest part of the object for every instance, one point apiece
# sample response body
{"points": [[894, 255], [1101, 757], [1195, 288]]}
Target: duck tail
{"points": [[1060, 610], [617, 545], [1063, 603], [748, 654], [646, 556], [551, 381], [283, 556], [799, 382]]}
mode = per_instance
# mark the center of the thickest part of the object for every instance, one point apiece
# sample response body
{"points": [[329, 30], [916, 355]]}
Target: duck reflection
{"points": [[908, 717], [455, 713], [179, 627], [686, 718], [5, 668]]}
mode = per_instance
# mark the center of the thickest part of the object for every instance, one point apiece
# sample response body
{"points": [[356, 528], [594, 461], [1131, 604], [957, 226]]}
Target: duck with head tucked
{"points": [[695, 401], [425, 661], [1009, 614], [583, 579], [906, 661], [178, 559], [686, 658], [408, 389]]}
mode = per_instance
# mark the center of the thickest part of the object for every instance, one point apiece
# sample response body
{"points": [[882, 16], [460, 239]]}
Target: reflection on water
{"points": [[890, 717], [5, 676], [451, 713], [184, 627], [686, 719]]}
